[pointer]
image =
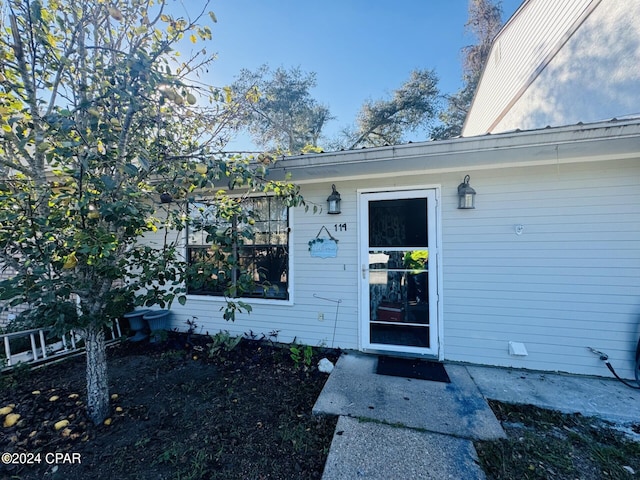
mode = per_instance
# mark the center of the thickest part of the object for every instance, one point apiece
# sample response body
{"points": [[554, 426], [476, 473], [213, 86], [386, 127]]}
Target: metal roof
{"points": [[608, 140]]}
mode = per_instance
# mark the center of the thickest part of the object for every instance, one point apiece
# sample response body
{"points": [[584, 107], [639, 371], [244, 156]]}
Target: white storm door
{"points": [[399, 281]]}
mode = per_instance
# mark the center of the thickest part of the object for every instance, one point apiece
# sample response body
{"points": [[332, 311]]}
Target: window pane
{"points": [[209, 274], [279, 211], [412, 260], [398, 223], [260, 210], [263, 256]]}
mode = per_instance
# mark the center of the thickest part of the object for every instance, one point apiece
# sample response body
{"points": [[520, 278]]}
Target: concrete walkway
{"points": [[391, 427]]}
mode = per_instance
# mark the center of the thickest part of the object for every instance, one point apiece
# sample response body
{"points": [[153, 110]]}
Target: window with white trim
{"points": [[235, 257]]}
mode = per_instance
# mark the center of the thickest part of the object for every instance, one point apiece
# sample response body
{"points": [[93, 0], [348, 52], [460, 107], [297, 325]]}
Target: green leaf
{"points": [[36, 11], [131, 169], [109, 184], [245, 306], [144, 163]]}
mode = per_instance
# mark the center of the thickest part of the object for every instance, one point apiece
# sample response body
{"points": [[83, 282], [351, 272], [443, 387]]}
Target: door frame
{"points": [[435, 261]]}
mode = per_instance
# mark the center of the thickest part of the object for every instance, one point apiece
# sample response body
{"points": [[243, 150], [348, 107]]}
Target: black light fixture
{"points": [[334, 201], [466, 195]]}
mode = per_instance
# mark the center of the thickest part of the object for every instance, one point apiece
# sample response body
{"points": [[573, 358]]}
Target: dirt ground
{"points": [[544, 444], [246, 414], [176, 413]]}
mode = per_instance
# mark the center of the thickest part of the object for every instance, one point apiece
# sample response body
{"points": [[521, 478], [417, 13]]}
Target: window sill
{"points": [[191, 298]]}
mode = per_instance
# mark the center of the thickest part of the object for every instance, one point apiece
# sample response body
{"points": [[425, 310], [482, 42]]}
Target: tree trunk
{"points": [[97, 381]]}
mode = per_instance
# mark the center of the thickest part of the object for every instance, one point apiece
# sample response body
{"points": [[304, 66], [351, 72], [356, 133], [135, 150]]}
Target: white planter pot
{"points": [[137, 324], [158, 320]]}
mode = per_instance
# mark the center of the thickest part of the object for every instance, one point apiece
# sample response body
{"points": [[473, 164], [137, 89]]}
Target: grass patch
{"points": [[544, 444]]}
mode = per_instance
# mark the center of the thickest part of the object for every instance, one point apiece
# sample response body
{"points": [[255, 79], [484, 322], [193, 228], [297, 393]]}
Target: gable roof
{"points": [[559, 63]]}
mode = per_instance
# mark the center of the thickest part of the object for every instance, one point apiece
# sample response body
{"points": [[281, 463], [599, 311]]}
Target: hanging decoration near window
{"points": [[323, 247]]}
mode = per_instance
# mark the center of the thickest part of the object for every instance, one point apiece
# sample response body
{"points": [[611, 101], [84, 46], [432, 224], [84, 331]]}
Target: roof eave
{"points": [[589, 142]]}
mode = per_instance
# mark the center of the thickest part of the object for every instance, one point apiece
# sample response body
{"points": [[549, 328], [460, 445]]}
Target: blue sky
{"points": [[359, 49]]}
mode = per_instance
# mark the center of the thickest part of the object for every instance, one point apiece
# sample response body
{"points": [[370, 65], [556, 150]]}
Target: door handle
{"points": [[364, 271]]}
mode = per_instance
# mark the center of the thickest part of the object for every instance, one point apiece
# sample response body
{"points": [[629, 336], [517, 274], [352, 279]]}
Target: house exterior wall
{"points": [[6, 312], [332, 279], [570, 280], [560, 63]]}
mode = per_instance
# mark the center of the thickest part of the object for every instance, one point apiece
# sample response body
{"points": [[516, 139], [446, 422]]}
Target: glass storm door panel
{"points": [[398, 256]]}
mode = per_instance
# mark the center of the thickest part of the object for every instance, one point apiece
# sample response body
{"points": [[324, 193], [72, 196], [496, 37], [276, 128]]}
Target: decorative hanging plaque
{"points": [[323, 247]]}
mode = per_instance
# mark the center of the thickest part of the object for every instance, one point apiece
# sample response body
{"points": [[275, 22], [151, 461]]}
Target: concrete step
{"points": [[458, 408], [376, 451]]}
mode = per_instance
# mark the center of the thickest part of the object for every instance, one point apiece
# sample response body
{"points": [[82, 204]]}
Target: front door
{"points": [[399, 281]]}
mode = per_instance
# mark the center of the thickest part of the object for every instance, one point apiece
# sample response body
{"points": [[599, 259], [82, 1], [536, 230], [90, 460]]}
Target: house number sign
{"points": [[323, 247]]}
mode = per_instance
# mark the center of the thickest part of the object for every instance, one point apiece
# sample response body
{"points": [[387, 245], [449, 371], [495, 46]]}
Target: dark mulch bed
{"points": [[175, 414]]}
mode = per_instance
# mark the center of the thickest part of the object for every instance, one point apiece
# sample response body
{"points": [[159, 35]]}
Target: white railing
{"points": [[65, 345]]}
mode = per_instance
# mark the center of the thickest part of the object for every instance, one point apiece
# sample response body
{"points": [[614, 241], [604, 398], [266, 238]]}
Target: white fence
{"points": [[43, 350]]}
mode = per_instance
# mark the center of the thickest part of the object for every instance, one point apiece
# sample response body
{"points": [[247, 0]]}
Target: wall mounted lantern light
{"points": [[466, 195], [333, 201]]}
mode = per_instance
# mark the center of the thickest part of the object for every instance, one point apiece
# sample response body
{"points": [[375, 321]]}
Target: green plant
{"points": [[159, 335], [191, 462], [416, 260], [89, 146], [11, 379], [301, 355], [297, 434], [222, 342], [192, 326], [172, 355], [142, 442]]}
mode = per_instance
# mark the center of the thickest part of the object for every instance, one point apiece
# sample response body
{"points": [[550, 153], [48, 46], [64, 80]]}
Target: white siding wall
{"points": [[329, 278], [527, 39], [594, 77], [591, 74], [7, 312], [570, 280]]}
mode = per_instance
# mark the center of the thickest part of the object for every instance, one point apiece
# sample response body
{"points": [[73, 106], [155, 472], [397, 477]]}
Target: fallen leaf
{"points": [[61, 424], [8, 409], [11, 419]]}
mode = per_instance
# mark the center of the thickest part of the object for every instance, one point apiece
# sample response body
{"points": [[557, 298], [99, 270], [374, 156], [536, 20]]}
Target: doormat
{"points": [[412, 368]]}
